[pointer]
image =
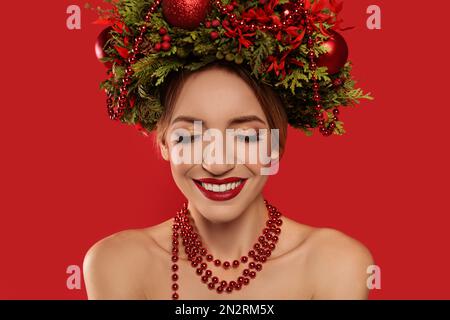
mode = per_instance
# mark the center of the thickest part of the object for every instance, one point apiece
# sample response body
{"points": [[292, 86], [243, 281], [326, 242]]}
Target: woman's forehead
{"points": [[216, 95]]}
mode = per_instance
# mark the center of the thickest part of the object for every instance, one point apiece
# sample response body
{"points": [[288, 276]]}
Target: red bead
{"points": [[226, 264], [215, 279], [208, 273], [252, 274], [217, 262], [175, 286], [205, 279], [175, 296], [165, 46], [219, 289], [209, 257], [244, 259], [174, 267], [235, 263], [211, 285], [174, 277]]}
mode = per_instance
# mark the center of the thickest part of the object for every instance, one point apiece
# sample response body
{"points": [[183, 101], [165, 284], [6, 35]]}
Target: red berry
{"points": [[166, 38], [162, 31], [214, 35], [158, 46], [230, 7], [208, 24], [165, 46], [215, 23]]}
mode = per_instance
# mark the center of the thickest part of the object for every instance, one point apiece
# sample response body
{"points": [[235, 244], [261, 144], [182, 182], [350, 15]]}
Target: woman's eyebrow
{"points": [[244, 119], [238, 120], [185, 119]]}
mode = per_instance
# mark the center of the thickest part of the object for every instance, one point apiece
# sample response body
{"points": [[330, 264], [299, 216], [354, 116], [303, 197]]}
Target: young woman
{"points": [[226, 212]]}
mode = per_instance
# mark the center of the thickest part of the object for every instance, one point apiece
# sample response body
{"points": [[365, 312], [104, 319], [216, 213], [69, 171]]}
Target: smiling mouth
{"points": [[223, 187], [220, 190]]}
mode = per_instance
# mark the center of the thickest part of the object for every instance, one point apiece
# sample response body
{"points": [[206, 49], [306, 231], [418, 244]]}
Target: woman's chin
{"points": [[217, 212]]}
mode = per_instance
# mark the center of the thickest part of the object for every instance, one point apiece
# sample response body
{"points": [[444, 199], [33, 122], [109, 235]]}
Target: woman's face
{"points": [[220, 100]]}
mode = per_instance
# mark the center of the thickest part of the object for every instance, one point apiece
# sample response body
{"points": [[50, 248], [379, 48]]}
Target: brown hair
{"points": [[271, 103]]}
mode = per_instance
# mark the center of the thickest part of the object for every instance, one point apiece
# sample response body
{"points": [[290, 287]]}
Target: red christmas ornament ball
{"points": [[337, 54], [186, 14], [102, 38]]}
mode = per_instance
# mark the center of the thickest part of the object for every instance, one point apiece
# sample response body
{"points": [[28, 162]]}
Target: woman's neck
{"points": [[231, 240]]}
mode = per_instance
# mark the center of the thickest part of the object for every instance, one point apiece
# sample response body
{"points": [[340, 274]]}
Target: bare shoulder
{"points": [[114, 267], [339, 264]]}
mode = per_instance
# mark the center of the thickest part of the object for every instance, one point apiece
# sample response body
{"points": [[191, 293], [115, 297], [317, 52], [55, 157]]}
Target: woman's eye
{"points": [[248, 138], [187, 139]]}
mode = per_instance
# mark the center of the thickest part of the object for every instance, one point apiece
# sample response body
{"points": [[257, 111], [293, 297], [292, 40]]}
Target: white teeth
{"points": [[221, 187]]}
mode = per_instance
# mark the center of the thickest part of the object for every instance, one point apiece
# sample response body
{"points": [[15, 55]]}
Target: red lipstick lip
{"points": [[220, 196]]}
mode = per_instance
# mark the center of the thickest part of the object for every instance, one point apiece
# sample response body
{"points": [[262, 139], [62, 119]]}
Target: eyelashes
{"points": [[248, 138], [188, 139]]}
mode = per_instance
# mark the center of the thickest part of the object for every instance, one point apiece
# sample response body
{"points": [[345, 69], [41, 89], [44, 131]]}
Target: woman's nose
{"points": [[217, 169], [219, 163]]}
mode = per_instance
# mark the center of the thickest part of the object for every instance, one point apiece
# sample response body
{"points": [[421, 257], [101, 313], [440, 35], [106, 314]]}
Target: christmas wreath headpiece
{"points": [[291, 45]]}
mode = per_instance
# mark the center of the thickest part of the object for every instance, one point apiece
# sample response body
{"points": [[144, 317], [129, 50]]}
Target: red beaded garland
{"points": [[195, 252]]}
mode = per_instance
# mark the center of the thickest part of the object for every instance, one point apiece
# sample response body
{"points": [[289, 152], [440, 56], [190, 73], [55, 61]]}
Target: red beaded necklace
{"points": [[197, 254]]}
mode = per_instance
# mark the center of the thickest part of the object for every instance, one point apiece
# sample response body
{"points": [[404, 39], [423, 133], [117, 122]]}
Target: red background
{"points": [[70, 176]]}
